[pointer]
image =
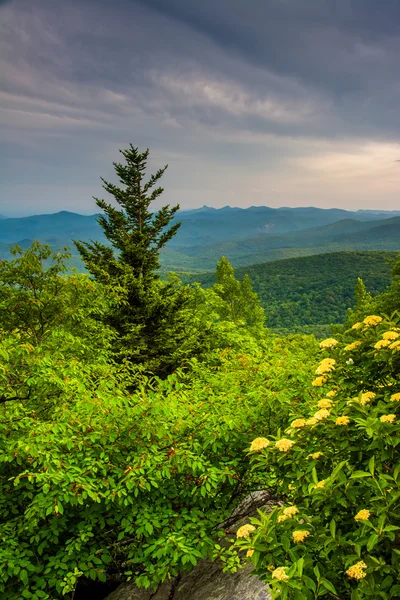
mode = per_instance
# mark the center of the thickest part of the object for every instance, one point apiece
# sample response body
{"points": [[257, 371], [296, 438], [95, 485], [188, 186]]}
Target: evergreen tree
{"points": [[153, 325]]}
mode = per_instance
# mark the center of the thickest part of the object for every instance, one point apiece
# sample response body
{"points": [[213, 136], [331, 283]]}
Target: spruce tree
{"points": [[152, 324]]}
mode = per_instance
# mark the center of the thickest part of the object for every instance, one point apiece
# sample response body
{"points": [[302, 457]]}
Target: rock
{"points": [[207, 581]]}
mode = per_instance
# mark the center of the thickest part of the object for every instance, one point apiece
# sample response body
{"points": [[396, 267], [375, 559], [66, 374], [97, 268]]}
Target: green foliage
{"points": [[337, 466], [303, 294]]}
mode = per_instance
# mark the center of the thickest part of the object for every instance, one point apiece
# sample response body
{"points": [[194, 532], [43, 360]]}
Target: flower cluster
{"points": [[280, 574], [259, 444], [318, 381], [382, 344], [387, 418], [299, 423], [320, 484], [300, 536], [324, 403], [390, 335], [322, 414], [326, 366], [328, 343], [362, 515], [357, 571], [372, 320], [284, 445], [315, 455], [331, 394], [290, 511], [395, 397], [352, 346], [245, 531], [342, 420], [366, 397]]}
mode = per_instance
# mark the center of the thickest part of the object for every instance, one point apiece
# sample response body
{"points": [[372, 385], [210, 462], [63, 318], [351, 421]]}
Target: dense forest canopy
{"points": [[137, 412]]}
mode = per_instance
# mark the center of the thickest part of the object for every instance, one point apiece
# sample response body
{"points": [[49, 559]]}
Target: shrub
{"points": [[337, 466]]}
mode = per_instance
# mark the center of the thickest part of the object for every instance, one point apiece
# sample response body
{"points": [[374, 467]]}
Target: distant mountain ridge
{"points": [[245, 235]]}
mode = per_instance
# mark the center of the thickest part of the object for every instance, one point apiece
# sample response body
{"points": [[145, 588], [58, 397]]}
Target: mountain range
{"points": [[246, 236]]}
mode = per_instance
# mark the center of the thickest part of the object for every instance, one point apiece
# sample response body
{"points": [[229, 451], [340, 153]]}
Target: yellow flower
{"points": [[366, 397], [312, 421], [382, 344], [357, 571], [352, 346], [320, 484], [282, 518], [245, 531], [284, 445], [395, 345], [280, 574], [390, 335], [387, 418], [356, 325], [290, 511], [326, 366], [342, 421], [259, 444], [362, 515], [270, 567], [331, 394], [325, 403], [300, 536], [328, 343], [291, 487], [318, 381], [298, 423], [250, 553], [322, 414], [395, 397], [372, 320], [315, 455]]}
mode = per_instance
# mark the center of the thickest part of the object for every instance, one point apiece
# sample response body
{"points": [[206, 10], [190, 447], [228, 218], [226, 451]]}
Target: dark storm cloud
{"points": [[270, 84]]}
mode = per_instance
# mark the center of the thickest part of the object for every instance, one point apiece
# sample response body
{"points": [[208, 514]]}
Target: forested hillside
{"points": [[136, 414], [312, 291]]}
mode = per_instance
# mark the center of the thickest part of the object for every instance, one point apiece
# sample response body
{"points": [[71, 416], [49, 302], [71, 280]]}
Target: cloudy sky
{"points": [[250, 102]]}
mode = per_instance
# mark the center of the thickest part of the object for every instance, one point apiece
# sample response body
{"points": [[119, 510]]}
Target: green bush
{"points": [[337, 467]]}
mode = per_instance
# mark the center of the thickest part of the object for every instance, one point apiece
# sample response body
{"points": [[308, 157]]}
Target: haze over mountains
{"points": [[246, 236]]}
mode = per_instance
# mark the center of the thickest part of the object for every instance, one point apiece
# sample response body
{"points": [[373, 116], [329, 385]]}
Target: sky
{"points": [[250, 102]]}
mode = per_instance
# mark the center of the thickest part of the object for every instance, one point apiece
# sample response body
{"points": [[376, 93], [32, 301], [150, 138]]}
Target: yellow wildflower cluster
{"points": [[290, 511], [387, 418], [382, 344], [357, 571], [259, 444], [366, 397], [320, 484], [322, 414], [372, 320], [280, 574], [342, 420], [331, 394], [282, 518], [352, 346], [300, 536], [299, 423], [328, 343], [250, 553], [312, 421], [326, 366], [284, 445], [395, 397], [318, 381], [325, 403], [395, 345], [362, 515], [390, 335], [357, 325], [315, 455], [245, 531]]}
